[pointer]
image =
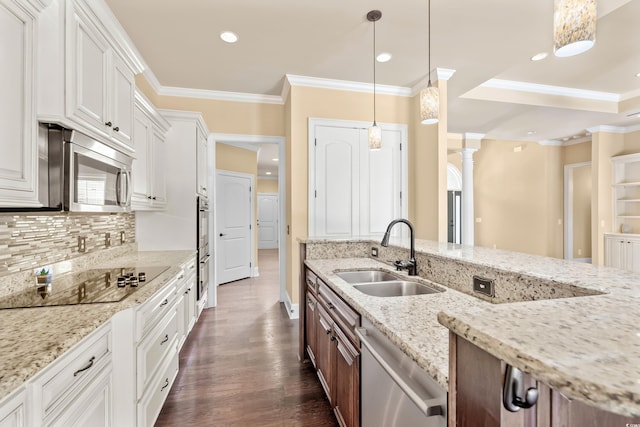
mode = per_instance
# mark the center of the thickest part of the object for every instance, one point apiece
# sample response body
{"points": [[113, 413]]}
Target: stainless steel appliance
{"points": [[80, 174], [204, 254], [395, 390], [92, 286]]}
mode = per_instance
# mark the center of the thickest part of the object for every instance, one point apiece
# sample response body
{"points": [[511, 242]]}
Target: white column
{"points": [[467, 196]]}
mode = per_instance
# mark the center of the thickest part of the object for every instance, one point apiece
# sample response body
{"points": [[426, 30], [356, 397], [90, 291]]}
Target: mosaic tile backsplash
{"points": [[29, 241]]}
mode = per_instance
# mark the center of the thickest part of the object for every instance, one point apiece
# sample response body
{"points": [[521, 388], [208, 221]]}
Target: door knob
{"points": [[222, 234]]}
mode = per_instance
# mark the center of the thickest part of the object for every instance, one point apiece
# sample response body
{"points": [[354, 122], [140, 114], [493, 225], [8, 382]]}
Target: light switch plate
{"points": [[374, 252], [107, 240], [82, 244]]}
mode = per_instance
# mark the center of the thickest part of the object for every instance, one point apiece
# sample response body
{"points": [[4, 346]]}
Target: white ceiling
{"points": [[331, 39]]}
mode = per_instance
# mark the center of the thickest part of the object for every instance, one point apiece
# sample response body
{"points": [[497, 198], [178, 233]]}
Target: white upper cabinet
{"points": [[18, 144], [202, 162], [96, 74], [148, 169]]}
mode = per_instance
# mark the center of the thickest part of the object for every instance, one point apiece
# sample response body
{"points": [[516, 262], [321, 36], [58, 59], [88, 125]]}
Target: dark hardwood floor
{"points": [[239, 366]]}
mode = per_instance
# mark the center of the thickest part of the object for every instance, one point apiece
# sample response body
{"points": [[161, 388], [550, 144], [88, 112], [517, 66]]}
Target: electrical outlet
{"points": [[374, 252], [123, 238], [82, 244], [107, 240], [483, 286]]}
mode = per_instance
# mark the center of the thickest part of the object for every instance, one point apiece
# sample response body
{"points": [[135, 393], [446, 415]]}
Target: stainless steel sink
{"points": [[366, 276], [395, 288]]}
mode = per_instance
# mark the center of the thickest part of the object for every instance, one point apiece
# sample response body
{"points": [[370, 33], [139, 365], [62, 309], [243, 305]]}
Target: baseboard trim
{"points": [[293, 310], [255, 272]]}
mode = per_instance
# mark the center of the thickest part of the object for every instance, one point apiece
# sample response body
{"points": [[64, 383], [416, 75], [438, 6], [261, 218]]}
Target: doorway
{"points": [[577, 212], [268, 220], [454, 204], [234, 213]]}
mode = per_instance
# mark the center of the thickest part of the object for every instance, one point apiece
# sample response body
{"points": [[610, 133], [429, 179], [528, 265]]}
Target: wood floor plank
{"points": [[239, 366]]}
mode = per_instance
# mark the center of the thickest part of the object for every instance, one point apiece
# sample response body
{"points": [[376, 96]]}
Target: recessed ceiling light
{"points": [[539, 56], [383, 57], [575, 136], [229, 37], [565, 138], [638, 75], [275, 159], [531, 132], [268, 173]]}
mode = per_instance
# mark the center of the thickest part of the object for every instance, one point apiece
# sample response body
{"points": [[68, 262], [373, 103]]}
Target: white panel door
{"points": [[337, 188], [267, 221], [233, 211], [380, 184]]}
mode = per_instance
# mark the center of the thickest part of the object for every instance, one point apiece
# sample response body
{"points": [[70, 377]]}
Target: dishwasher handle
{"points": [[424, 405]]}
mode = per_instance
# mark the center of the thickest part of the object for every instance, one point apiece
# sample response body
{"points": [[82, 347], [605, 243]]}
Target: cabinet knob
{"points": [[108, 124], [116, 129], [149, 197], [154, 197]]}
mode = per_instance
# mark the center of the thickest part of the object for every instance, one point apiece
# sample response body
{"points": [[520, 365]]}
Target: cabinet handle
{"points": [[181, 277], [108, 124], [154, 197], [333, 338], [166, 384], [514, 390], [330, 305], [116, 129], [89, 365], [149, 197], [165, 302], [166, 338]]}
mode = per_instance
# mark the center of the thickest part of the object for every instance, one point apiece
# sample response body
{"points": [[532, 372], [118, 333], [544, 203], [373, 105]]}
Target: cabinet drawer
{"points": [[150, 405], [346, 317], [12, 410], [312, 282], [83, 363], [153, 349], [156, 307]]}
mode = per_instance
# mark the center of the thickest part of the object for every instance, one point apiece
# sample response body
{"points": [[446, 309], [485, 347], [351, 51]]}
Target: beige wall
{"points": [[267, 185], [518, 197], [235, 159]]}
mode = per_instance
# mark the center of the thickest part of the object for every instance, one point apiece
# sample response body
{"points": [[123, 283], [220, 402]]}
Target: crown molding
{"points": [[551, 90], [152, 79], [630, 95], [551, 142], [608, 129], [442, 74], [321, 83], [232, 138], [150, 110], [476, 136], [286, 88], [219, 95], [242, 145]]}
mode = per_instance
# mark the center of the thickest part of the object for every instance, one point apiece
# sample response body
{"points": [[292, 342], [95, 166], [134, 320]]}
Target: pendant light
{"points": [[429, 96], [574, 26], [375, 133]]}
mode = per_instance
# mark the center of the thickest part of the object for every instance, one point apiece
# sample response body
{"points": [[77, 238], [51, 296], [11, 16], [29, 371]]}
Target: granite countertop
{"points": [[586, 347], [409, 322], [32, 338]]}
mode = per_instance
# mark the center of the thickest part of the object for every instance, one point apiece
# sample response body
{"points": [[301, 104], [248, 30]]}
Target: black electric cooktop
{"points": [[87, 287]]}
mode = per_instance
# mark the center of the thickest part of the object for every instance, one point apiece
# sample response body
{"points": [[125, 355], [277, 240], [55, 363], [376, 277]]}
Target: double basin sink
{"points": [[381, 283]]}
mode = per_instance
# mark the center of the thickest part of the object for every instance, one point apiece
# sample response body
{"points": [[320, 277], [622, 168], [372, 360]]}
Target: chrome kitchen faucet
{"points": [[410, 266]]}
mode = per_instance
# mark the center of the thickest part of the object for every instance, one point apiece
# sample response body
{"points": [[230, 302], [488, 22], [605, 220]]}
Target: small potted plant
{"points": [[44, 276]]}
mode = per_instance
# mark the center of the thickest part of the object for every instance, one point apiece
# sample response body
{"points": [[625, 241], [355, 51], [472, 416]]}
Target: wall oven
{"points": [[204, 254], [81, 174]]}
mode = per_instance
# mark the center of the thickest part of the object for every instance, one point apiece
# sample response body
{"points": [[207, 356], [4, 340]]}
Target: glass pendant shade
{"points": [[375, 137], [574, 26], [429, 105]]}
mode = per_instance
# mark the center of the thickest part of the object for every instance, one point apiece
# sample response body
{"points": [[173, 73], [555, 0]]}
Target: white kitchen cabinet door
{"points": [[122, 102], [202, 163], [622, 251], [88, 74], [18, 149], [158, 169], [142, 131], [337, 181], [633, 255], [355, 191], [12, 411]]}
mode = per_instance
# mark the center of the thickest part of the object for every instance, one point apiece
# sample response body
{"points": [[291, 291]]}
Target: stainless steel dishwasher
{"points": [[395, 391]]}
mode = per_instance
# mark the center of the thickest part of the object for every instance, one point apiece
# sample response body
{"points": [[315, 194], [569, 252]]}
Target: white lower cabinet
{"points": [[622, 251], [121, 374], [12, 411], [76, 389]]}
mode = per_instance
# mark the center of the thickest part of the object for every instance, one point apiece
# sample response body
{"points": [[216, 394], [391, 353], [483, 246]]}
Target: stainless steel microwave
{"points": [[80, 174]]}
